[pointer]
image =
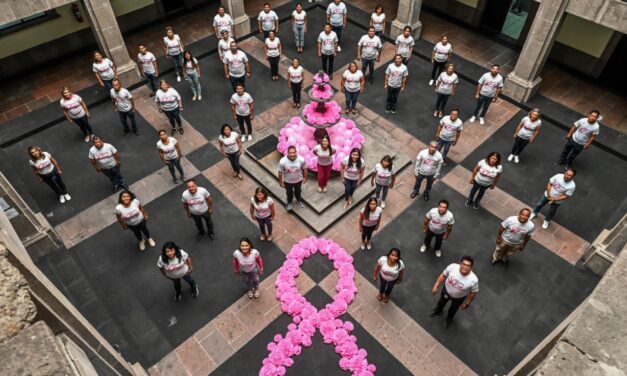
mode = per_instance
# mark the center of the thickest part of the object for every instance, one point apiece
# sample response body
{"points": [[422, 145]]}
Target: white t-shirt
{"points": [[377, 21], [122, 99], [296, 74], [529, 127], [515, 232], [438, 224], [446, 83], [352, 81], [168, 100], [273, 47], [222, 24], [336, 13], [299, 18], [105, 156], [174, 45], [169, 150], [190, 66], [262, 209], [175, 267], [327, 42], [390, 273], [371, 219], [403, 45], [44, 164], [130, 215], [230, 143], [236, 64], [351, 172], [324, 156], [242, 103], [428, 164], [369, 46], [224, 46], [450, 128], [73, 106], [246, 263], [383, 176], [197, 202], [147, 61], [584, 131], [487, 174], [559, 186], [292, 170], [396, 74], [268, 20], [489, 84], [104, 69], [458, 285], [442, 51]]}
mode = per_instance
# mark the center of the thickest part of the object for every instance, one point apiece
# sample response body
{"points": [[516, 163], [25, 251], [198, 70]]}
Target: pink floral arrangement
{"points": [[321, 92], [321, 78], [331, 115], [307, 318]]}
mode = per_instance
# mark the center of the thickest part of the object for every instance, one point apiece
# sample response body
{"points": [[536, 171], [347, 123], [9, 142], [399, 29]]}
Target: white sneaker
{"points": [[62, 199], [151, 242], [67, 197], [178, 78], [430, 82], [472, 119], [250, 137], [516, 160], [199, 97], [438, 253], [369, 246], [545, 224], [423, 248], [382, 204], [288, 207], [362, 246], [511, 156], [194, 98], [532, 215], [243, 138], [481, 121], [87, 138], [142, 245], [339, 48]]}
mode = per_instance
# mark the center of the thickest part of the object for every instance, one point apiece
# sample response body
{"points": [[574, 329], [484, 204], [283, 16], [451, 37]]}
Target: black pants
{"points": [[198, 221], [338, 32], [368, 64], [237, 80], [274, 65], [366, 233], [570, 152], [296, 89], [244, 119], [477, 189], [177, 283], [385, 287], [483, 103], [123, 118], [54, 181], [392, 98], [234, 159], [519, 145], [174, 117], [455, 303], [175, 163], [327, 63], [83, 125], [293, 190], [440, 101], [438, 67], [438, 239], [419, 180], [140, 229]]}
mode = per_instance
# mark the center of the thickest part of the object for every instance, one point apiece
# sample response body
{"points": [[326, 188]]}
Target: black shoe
{"points": [[468, 203], [126, 131], [393, 110], [135, 132], [426, 196], [475, 205], [200, 235], [195, 292], [434, 312], [413, 195], [173, 131], [447, 323], [125, 186], [558, 163], [178, 296], [211, 236], [181, 131], [175, 181], [115, 188]]}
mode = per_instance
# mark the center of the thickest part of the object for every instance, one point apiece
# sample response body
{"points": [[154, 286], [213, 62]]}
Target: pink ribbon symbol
{"points": [[306, 318]]}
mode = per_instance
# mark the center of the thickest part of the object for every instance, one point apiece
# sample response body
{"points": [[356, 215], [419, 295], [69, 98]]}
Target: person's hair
{"points": [[297, 4], [221, 7], [264, 4], [433, 142], [170, 245], [444, 36], [190, 181], [525, 209], [64, 88], [367, 209], [162, 81], [455, 109], [469, 259], [388, 159], [116, 80], [398, 253], [497, 155], [573, 170], [191, 57], [450, 65], [407, 28], [95, 137], [240, 85], [162, 131], [399, 55], [129, 193], [97, 52], [245, 239], [141, 45], [350, 158], [351, 64], [327, 24], [371, 28], [291, 147], [261, 190], [169, 28], [223, 127], [296, 60], [595, 112], [41, 153], [443, 202], [326, 137], [495, 65], [224, 32], [377, 7]]}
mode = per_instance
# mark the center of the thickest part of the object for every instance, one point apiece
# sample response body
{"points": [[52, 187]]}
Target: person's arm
{"points": [[400, 276], [272, 211], [197, 68], [95, 164], [518, 128], [469, 300], [252, 211], [499, 235], [259, 263], [276, 24], [362, 84], [247, 65], [99, 79], [161, 155], [437, 85], [189, 265], [335, 44], [265, 51], [361, 219], [239, 145], [178, 150], [457, 135], [154, 64], [437, 132], [305, 171], [372, 176], [536, 132], [117, 159], [437, 284], [236, 266], [186, 207], [182, 49], [477, 91], [55, 164], [143, 211], [411, 51], [221, 144], [280, 48], [233, 111], [252, 111], [404, 83], [425, 224], [165, 49], [342, 168], [132, 104], [496, 96], [549, 188], [392, 181], [449, 229], [496, 180], [454, 89], [377, 270], [525, 241], [359, 48], [438, 167], [293, 21], [85, 108], [162, 270], [67, 115], [433, 56], [115, 70], [124, 225], [259, 26], [226, 70], [474, 173], [280, 176], [590, 141], [361, 174], [344, 19], [306, 23], [115, 108], [342, 83], [209, 205], [376, 227], [180, 103], [319, 47]]}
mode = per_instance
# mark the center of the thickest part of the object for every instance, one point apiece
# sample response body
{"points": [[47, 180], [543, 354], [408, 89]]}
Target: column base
{"points": [[397, 27], [241, 25], [520, 89], [129, 74]]}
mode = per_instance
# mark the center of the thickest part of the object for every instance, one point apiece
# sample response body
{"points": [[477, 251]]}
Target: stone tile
{"points": [[418, 337], [204, 332], [417, 362], [169, 365], [445, 360], [229, 326], [191, 355], [217, 348], [392, 340]]}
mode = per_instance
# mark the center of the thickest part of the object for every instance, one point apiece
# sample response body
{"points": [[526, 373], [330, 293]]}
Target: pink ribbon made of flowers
{"points": [[306, 318]]}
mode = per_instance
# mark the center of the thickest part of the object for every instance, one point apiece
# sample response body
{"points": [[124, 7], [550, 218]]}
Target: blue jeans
{"points": [[351, 99], [172, 163], [108, 84], [338, 32], [234, 159], [570, 152], [349, 188], [115, 176], [251, 279], [83, 125], [385, 287], [484, 102], [54, 181], [419, 180], [177, 282], [444, 146], [299, 34], [263, 223], [123, 118], [382, 190], [177, 63], [237, 80], [192, 78], [151, 81], [478, 190], [174, 116], [368, 63], [552, 208]]}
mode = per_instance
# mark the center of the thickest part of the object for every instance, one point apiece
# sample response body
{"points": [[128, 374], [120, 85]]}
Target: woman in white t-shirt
{"points": [[299, 25], [47, 170], [272, 47], [174, 263], [389, 269], [526, 132], [247, 264], [262, 211], [352, 85], [440, 56], [383, 178], [486, 174], [171, 104], [224, 45], [104, 70], [170, 154], [76, 111], [173, 48], [132, 216], [369, 220], [231, 148], [324, 152], [377, 20], [295, 77], [192, 74], [352, 172]]}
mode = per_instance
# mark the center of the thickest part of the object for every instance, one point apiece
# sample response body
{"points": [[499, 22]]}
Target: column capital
{"points": [[519, 88], [397, 27]]}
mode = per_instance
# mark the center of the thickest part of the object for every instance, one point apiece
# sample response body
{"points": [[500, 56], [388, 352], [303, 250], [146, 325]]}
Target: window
{"points": [[29, 21]]}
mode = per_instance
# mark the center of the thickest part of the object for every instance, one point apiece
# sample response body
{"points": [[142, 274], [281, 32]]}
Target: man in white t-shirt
{"points": [[448, 132], [236, 66], [124, 105], [460, 287], [405, 44], [513, 235], [243, 110], [580, 136], [106, 159], [428, 165], [149, 67], [369, 51], [395, 82], [438, 223], [336, 17], [488, 90], [559, 188], [198, 205], [267, 21], [327, 49], [223, 22], [292, 175]]}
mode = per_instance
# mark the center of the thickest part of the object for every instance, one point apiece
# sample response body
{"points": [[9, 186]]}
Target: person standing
{"points": [[224, 44], [580, 136], [236, 66], [352, 85], [445, 86], [295, 76], [248, 265], [231, 148], [292, 175], [262, 211], [377, 20], [223, 22], [76, 111], [267, 21], [486, 174], [106, 159], [369, 51], [488, 90], [273, 51], [559, 188], [448, 132], [327, 49], [336, 17], [460, 287], [440, 56], [299, 25], [395, 82], [170, 154], [352, 172], [173, 50], [132, 216], [324, 152], [526, 132], [405, 44], [428, 165], [198, 205], [383, 178], [514, 234], [124, 104], [243, 110], [170, 103], [389, 269], [438, 223], [150, 70], [369, 221], [175, 264], [192, 74], [104, 70], [47, 170]]}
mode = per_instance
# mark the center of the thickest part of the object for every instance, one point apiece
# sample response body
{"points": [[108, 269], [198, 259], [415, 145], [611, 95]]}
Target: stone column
{"points": [[408, 13], [523, 82], [241, 21], [109, 37]]}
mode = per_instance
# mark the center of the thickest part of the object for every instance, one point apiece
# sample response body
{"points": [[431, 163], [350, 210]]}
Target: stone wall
{"points": [[17, 310]]}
